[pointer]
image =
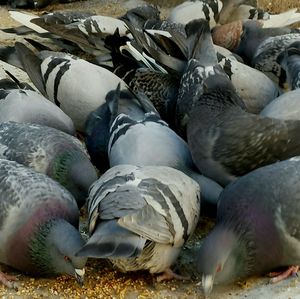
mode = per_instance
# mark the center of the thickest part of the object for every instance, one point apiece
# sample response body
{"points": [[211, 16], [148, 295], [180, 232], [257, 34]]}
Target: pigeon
{"points": [[143, 139], [38, 225], [202, 61], [290, 62], [257, 229], [75, 85], [259, 47], [225, 140], [140, 217], [20, 104], [49, 151]]}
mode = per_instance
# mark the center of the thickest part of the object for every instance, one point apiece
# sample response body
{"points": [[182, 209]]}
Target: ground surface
{"points": [[102, 281]]}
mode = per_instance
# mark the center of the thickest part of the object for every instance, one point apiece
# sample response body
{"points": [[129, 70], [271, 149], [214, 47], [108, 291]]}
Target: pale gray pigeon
{"points": [[75, 85], [140, 217], [142, 138]]}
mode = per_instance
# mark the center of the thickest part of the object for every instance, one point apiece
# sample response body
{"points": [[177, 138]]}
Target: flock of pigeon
{"points": [[199, 108]]}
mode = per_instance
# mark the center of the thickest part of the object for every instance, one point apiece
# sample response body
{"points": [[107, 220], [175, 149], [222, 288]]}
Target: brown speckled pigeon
{"points": [[38, 224], [50, 151], [258, 226]]}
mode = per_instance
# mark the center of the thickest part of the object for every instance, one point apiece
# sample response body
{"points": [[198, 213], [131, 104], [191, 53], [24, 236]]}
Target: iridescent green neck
{"points": [[39, 249]]}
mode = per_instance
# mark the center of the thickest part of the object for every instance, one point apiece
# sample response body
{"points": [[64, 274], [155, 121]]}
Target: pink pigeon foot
{"points": [[7, 280], [168, 274], [279, 276]]}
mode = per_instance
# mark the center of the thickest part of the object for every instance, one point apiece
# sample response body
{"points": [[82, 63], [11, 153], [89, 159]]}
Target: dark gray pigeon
{"points": [[38, 225], [47, 150], [226, 141], [21, 104], [142, 139], [140, 217], [258, 227]]}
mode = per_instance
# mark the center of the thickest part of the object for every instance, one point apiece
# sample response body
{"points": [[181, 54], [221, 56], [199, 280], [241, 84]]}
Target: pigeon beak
{"points": [[207, 284], [79, 275]]}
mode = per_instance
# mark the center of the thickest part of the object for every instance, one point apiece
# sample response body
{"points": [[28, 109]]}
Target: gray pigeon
{"points": [[140, 217], [49, 151], [258, 227], [38, 225], [226, 141], [75, 85], [21, 104], [290, 62], [144, 139]]}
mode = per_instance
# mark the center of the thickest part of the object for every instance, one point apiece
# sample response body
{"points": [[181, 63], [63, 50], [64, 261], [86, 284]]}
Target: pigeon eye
{"points": [[66, 258]]}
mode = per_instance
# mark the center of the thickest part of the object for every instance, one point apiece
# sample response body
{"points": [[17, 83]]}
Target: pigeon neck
{"points": [[53, 248], [222, 255], [73, 170], [40, 249]]}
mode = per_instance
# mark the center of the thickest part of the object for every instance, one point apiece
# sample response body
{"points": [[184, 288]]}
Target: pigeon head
{"points": [[73, 170], [220, 258], [53, 249]]}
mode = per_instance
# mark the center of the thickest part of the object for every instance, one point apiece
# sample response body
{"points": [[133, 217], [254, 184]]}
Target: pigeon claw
{"points": [[168, 274], [8, 281], [279, 276]]}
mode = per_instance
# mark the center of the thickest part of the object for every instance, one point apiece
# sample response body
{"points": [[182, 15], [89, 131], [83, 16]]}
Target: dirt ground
{"points": [[102, 281]]}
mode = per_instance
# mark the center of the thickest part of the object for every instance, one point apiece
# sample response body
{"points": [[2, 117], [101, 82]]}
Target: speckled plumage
{"points": [[49, 151], [38, 223], [258, 228], [140, 217], [227, 142]]}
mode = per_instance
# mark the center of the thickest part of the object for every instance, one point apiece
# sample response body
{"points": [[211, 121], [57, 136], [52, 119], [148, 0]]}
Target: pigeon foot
{"points": [[168, 274], [7, 280], [279, 276]]}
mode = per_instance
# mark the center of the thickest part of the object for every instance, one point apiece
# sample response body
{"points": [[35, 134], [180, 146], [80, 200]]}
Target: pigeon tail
{"points": [[25, 19], [113, 241], [32, 65], [199, 42]]}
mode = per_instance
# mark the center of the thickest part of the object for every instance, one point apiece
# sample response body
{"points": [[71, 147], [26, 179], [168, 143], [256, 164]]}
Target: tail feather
{"points": [[25, 19], [110, 240], [199, 42], [32, 65], [16, 83]]}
